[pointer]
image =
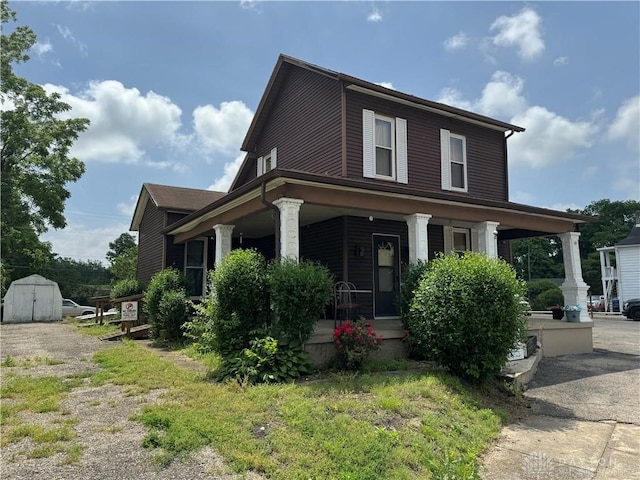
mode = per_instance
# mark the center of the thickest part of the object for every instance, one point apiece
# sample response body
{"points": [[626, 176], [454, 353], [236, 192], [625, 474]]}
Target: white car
{"points": [[72, 309]]}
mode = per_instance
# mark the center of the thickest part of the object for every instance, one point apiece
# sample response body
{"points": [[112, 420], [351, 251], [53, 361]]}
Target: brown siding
{"points": [[322, 242], [485, 147], [150, 243], [304, 125], [435, 234]]}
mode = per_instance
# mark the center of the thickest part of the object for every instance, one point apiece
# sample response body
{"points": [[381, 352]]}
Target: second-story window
{"points": [[384, 147], [454, 161], [267, 162]]}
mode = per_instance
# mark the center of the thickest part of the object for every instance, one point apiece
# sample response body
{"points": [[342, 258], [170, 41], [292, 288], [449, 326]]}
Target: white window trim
{"points": [[393, 148], [261, 162], [467, 235], [399, 168], [445, 153], [204, 263]]}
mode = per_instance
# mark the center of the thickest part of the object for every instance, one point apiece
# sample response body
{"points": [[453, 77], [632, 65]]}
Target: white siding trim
{"points": [[448, 239], [475, 241], [259, 166], [445, 167], [274, 158], [368, 144], [402, 173]]}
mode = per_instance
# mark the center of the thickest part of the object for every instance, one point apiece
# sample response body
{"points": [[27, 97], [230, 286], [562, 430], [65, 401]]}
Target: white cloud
{"points": [[223, 183], [82, 243], [374, 16], [386, 85], [67, 34], [129, 207], [560, 61], [522, 197], [249, 5], [626, 125], [521, 31], [549, 138], [222, 130], [41, 48], [456, 42], [563, 207], [123, 122]]}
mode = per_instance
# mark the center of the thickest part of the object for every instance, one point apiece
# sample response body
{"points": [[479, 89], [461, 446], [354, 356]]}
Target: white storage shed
{"points": [[32, 299]]}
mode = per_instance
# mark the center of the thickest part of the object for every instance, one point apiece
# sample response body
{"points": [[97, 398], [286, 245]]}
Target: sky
{"points": [[171, 88]]}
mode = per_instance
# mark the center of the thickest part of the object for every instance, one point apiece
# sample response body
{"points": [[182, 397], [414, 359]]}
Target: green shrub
{"points": [[241, 301], [467, 315], [548, 299], [125, 288], [299, 294], [266, 361], [163, 282], [174, 311], [411, 276], [541, 292], [200, 328]]}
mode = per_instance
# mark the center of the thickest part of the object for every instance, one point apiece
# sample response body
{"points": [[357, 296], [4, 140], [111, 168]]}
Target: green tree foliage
{"points": [[615, 221], [120, 246], [543, 294], [78, 280], [124, 266], [125, 288], [300, 291], [538, 258], [466, 314], [35, 165]]}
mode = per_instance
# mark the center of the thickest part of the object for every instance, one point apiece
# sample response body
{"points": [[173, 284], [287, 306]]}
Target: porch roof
{"points": [[328, 197]]}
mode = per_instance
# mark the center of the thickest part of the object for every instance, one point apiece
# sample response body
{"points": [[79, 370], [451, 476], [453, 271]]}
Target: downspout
{"points": [[506, 165], [276, 210]]}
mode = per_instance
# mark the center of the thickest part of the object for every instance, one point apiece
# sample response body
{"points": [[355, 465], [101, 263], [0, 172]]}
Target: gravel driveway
{"points": [[111, 442]]}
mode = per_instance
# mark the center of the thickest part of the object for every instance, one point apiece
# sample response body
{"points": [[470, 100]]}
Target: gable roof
{"points": [[178, 199], [286, 63]]}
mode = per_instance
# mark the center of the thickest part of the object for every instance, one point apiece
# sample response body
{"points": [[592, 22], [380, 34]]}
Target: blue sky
{"points": [[171, 87]]}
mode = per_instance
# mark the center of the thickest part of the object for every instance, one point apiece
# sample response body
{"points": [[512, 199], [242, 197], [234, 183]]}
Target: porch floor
{"points": [[388, 328]]}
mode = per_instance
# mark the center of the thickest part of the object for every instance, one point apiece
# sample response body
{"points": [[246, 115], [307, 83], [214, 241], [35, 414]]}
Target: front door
{"points": [[386, 274]]}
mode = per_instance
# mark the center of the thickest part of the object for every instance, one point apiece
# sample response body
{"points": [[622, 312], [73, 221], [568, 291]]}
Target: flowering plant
{"points": [[572, 308], [354, 342]]}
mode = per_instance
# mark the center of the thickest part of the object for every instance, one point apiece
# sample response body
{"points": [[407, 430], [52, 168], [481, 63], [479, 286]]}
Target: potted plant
{"points": [[573, 312], [557, 312]]}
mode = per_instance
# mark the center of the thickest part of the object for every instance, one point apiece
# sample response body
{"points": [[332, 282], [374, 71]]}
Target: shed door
{"points": [[23, 303], [43, 303]]}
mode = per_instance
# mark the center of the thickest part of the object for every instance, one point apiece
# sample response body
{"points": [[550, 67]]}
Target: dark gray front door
{"points": [[386, 274]]}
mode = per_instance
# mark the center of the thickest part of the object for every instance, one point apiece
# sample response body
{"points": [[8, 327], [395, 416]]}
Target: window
{"points": [[384, 147], [454, 161], [194, 267], [460, 240], [267, 162]]}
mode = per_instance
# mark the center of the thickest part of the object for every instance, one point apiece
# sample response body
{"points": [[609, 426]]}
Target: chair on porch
{"points": [[346, 306]]}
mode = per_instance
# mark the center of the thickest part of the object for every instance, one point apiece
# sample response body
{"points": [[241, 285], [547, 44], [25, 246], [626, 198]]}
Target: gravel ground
{"points": [[111, 442]]}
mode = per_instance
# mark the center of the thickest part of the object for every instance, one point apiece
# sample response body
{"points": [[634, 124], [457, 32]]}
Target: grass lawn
{"points": [[407, 425]]}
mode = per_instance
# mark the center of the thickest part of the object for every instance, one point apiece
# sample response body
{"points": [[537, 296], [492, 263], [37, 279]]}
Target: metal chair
{"points": [[345, 302]]}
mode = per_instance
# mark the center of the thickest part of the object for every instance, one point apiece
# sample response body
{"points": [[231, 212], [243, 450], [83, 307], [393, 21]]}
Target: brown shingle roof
{"points": [[179, 198]]}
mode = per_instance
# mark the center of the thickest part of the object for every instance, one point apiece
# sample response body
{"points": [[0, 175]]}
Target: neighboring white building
{"points": [[32, 299], [621, 273]]}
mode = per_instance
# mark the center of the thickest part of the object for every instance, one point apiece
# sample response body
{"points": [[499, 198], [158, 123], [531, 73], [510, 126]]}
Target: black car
{"points": [[631, 309]]}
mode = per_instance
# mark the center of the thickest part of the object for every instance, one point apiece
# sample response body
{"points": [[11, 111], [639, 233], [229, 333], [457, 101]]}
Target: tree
{"points": [[535, 258], [34, 156], [120, 246]]}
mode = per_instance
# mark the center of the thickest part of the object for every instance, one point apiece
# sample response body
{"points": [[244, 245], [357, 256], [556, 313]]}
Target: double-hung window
{"points": [[194, 267], [384, 147], [267, 162], [458, 240], [453, 150]]}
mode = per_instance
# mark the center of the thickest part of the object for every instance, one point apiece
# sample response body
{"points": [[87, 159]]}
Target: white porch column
{"points": [[487, 238], [573, 288], [418, 237], [223, 241], [289, 226]]}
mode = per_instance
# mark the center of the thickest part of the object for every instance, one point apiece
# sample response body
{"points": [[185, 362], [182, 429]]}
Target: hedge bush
{"points": [[300, 292], [174, 312], [466, 314], [241, 304], [125, 288], [543, 294], [164, 283]]}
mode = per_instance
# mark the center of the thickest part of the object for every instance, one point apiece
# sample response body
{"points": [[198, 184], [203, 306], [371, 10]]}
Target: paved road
{"points": [[586, 422]]}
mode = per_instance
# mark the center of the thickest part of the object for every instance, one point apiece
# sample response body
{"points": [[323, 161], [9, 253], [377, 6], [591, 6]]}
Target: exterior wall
{"points": [[504, 250], [323, 242], [304, 125], [150, 243], [628, 259], [486, 165]]}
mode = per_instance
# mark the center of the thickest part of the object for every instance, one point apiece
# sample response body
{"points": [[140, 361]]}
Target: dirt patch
{"points": [[100, 417]]}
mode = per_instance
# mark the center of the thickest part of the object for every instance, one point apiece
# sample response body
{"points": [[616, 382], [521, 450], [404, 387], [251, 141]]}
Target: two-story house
{"points": [[364, 179]]}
